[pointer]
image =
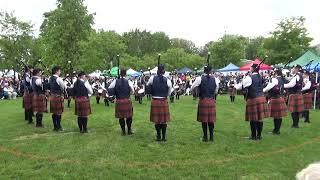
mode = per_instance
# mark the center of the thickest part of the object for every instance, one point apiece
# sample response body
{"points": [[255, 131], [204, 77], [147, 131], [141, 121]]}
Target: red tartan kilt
{"points": [[123, 108], [308, 101], [278, 108], [207, 110], [82, 106], [56, 104], [39, 103], [257, 109], [27, 101], [159, 113], [295, 103], [232, 91]]}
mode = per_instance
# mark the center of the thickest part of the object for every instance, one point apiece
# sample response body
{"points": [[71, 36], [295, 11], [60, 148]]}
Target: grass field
{"points": [[30, 153]]}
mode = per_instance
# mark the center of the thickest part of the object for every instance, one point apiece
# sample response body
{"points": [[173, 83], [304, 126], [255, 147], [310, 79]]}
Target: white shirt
{"points": [[38, 81], [246, 82], [197, 83], [60, 82], [169, 84], [273, 83], [292, 82], [307, 84], [88, 86], [113, 85]]}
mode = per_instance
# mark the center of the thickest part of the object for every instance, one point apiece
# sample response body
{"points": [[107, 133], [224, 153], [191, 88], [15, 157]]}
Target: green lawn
{"points": [[30, 153]]}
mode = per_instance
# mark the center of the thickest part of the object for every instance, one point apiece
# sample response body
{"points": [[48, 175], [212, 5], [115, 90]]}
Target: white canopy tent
{"points": [[95, 74], [154, 71], [9, 73]]}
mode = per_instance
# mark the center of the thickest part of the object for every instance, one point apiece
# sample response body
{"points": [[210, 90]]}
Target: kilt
{"points": [[207, 110], [39, 103], [27, 101], [278, 108], [82, 106], [308, 101], [232, 91], [123, 108], [295, 103], [257, 109], [56, 104], [159, 113]]}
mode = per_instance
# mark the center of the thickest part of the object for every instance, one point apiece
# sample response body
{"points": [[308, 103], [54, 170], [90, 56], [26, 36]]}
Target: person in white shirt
{"points": [[278, 107], [57, 89], [9, 91], [160, 89], [81, 91], [307, 92], [122, 89], [208, 87], [256, 107], [295, 100]]}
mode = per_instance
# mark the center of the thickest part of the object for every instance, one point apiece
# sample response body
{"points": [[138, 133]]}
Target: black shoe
{"points": [[130, 133], [253, 138], [158, 139], [276, 132], [204, 139], [164, 140], [259, 138], [294, 126], [307, 121], [85, 131], [211, 140]]}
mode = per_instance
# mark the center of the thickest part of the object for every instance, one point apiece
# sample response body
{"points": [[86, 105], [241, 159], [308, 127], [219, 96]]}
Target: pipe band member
{"points": [[27, 95], [307, 93], [278, 107], [160, 89], [39, 102], [57, 88], [256, 107], [295, 100], [81, 91], [122, 89], [208, 87]]}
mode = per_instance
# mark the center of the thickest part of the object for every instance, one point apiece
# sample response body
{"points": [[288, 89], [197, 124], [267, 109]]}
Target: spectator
{"points": [[9, 92]]}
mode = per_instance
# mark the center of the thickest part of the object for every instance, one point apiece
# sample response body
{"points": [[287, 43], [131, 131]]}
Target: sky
{"points": [[200, 21]]}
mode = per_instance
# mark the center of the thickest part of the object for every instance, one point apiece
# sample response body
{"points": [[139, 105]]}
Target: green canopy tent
{"points": [[305, 59], [114, 71]]}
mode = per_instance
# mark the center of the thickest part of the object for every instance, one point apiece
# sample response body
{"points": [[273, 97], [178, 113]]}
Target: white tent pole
{"points": [[315, 93]]}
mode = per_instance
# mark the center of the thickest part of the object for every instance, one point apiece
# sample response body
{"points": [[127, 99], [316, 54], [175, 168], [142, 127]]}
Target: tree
{"points": [[254, 48], [290, 39], [63, 30], [188, 46], [230, 48], [15, 40], [101, 48]]}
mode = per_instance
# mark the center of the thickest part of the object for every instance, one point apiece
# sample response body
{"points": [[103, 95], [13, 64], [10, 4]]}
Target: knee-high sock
{"points": [[306, 116], [129, 123], [279, 124], [231, 98], [164, 131], [80, 123], [158, 129], [98, 99], [205, 131], [211, 129], [26, 115], [85, 123], [30, 115], [259, 128], [275, 123], [69, 101], [39, 119], [122, 125], [54, 121], [59, 121], [253, 129]]}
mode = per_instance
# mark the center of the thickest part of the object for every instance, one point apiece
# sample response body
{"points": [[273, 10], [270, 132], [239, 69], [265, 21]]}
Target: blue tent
{"points": [[184, 70], [313, 67], [228, 68]]}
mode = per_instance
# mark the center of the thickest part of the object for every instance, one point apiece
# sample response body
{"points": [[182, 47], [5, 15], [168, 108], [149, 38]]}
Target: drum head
{"points": [[141, 91]]}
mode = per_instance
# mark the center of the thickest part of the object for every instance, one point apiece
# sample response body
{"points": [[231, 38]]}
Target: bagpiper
{"points": [[122, 89], [232, 89], [81, 91], [295, 100], [39, 102], [208, 87], [278, 107], [256, 107], [307, 92], [27, 95], [57, 89], [160, 89]]}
